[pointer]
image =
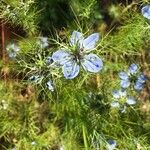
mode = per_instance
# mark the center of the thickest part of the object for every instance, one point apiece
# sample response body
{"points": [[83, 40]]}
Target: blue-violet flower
{"points": [[125, 76], [131, 77], [139, 84], [70, 61]]}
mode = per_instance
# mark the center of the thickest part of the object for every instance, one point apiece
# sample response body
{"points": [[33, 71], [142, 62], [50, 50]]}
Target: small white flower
{"points": [[43, 42], [12, 50]]}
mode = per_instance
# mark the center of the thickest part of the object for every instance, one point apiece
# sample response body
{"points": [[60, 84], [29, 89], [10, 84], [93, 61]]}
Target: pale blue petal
{"points": [[133, 69], [123, 75], [114, 104], [76, 38], [146, 11], [141, 78], [125, 83], [70, 69], [61, 57], [131, 101], [90, 42], [138, 86], [92, 63]]}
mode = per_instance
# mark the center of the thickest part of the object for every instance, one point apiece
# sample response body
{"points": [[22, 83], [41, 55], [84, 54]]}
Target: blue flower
{"points": [[121, 99], [126, 77], [133, 69], [141, 78], [111, 144], [125, 82], [70, 61], [139, 84], [146, 11], [12, 50]]}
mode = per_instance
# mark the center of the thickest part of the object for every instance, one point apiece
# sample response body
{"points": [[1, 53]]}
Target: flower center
{"points": [[78, 55]]}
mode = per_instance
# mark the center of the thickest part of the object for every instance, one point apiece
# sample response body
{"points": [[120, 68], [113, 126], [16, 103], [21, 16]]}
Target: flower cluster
{"points": [[121, 100], [132, 77], [70, 62], [146, 11], [40, 74], [39, 79], [12, 50]]}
